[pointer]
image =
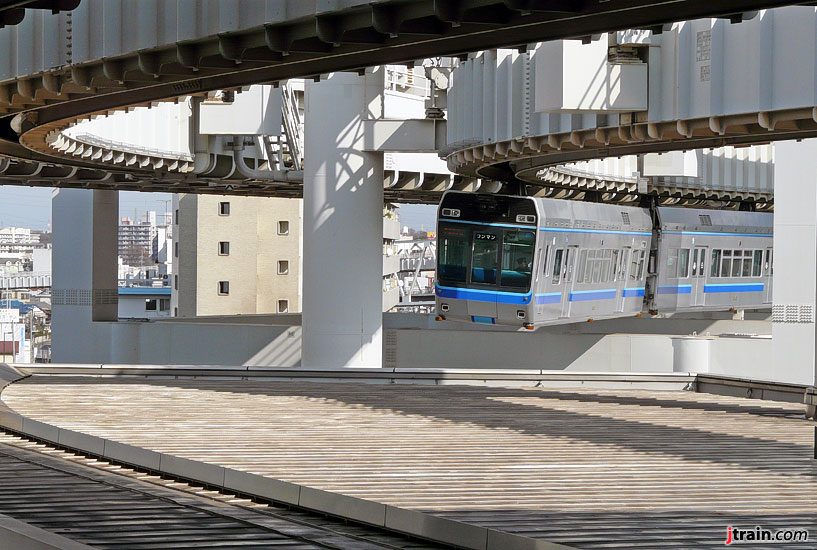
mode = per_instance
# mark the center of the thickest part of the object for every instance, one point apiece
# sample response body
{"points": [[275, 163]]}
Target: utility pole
{"points": [[167, 210], [31, 336]]}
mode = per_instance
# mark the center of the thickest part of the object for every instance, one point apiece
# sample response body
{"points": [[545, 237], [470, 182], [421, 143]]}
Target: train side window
{"points": [[615, 265], [568, 266], [608, 265], [726, 263], [737, 261], [747, 264], [557, 266], [582, 265], [597, 267], [602, 265], [716, 263], [702, 263], [767, 264], [672, 263], [641, 255], [695, 263], [683, 263], [546, 261], [634, 265], [591, 262], [734, 267], [757, 263], [624, 260]]}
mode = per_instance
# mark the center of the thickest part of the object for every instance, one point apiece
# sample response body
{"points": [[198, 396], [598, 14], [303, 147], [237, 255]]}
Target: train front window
{"points": [[453, 253], [484, 259], [517, 259]]}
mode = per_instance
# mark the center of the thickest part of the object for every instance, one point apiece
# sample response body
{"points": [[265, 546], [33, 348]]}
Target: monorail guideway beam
{"points": [[343, 224]]}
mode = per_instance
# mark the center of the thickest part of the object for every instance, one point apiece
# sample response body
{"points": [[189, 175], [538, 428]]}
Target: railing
{"points": [[130, 148], [26, 279], [400, 79], [292, 126]]}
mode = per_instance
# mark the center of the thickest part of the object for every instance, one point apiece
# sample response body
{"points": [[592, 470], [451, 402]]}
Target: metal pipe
{"points": [[280, 176]]}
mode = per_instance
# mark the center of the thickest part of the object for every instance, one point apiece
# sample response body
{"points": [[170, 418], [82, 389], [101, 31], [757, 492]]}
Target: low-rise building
{"points": [[142, 302]]}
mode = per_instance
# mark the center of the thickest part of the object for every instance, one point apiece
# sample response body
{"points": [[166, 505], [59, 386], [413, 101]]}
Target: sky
{"points": [[31, 207]]}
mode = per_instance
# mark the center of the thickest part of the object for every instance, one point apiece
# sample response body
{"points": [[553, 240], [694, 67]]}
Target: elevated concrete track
{"points": [[138, 62]]}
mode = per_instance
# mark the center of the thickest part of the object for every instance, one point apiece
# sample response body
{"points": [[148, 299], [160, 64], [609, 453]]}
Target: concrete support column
{"points": [[343, 225], [105, 276], [795, 262], [84, 274]]}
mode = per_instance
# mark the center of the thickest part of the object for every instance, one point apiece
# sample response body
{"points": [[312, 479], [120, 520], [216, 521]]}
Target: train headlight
{"points": [[443, 307], [520, 314]]}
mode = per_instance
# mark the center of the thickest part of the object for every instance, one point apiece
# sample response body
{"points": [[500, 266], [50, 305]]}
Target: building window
{"points": [[283, 306], [176, 282], [283, 227], [224, 209], [150, 305], [224, 288], [176, 217], [176, 249], [223, 248], [164, 304], [283, 267]]}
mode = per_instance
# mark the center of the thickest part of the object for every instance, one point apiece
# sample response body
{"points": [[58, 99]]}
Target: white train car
{"points": [[526, 261]]}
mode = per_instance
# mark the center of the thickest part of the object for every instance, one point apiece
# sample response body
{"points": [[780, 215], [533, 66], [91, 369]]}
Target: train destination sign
{"points": [[484, 237]]}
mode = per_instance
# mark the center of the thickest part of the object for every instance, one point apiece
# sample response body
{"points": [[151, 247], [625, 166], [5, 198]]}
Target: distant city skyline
{"points": [[31, 207]]}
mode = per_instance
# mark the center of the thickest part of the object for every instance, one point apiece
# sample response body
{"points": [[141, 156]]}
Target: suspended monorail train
{"points": [[527, 261]]}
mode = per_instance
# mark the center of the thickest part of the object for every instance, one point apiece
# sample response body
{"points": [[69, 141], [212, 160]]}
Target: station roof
{"points": [[584, 468]]}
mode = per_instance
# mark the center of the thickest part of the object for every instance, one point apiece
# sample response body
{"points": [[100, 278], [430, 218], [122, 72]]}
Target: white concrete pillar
{"points": [[81, 275], [795, 262], [343, 225]]}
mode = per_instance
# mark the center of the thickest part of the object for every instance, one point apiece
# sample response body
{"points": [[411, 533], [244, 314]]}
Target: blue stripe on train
{"points": [[483, 295], [633, 292], [549, 298], [674, 289], [587, 295], [734, 287]]}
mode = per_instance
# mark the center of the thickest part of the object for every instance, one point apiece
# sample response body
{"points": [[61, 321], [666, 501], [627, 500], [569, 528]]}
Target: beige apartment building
{"points": [[240, 255], [235, 255]]}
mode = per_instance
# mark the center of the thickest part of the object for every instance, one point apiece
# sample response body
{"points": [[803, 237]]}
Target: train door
{"points": [[621, 276], [768, 271], [698, 274], [568, 267]]}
